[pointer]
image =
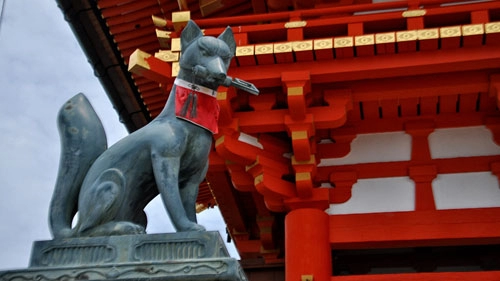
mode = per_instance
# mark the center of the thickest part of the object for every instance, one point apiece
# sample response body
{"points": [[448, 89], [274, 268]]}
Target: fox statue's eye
{"points": [[225, 55], [204, 53]]}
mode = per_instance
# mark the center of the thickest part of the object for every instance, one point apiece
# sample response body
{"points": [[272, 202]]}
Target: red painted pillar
{"points": [[307, 248]]}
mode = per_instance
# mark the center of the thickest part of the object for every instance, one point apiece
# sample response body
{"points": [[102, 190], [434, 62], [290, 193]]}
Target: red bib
{"points": [[197, 104]]}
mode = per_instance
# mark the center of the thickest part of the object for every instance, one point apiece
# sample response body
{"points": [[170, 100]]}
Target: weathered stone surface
{"points": [[203, 269], [128, 248], [172, 256]]}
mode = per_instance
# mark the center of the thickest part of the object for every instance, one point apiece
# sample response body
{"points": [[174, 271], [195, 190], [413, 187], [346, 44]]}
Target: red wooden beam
{"points": [[414, 229], [343, 10], [438, 276], [133, 15], [334, 116], [148, 39], [400, 169], [325, 117], [118, 10], [145, 23], [397, 65], [397, 124], [420, 86]]}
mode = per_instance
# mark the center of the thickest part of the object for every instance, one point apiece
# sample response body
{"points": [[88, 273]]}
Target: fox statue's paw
{"points": [[116, 228], [191, 227], [64, 233]]}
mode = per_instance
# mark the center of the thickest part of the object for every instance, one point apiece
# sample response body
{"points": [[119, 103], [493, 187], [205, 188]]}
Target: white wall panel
{"points": [[466, 190], [462, 142], [378, 195], [371, 148]]}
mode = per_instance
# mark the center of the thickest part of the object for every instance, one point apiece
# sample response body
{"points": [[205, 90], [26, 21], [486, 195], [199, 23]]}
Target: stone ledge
{"points": [[203, 269], [181, 256], [127, 248]]}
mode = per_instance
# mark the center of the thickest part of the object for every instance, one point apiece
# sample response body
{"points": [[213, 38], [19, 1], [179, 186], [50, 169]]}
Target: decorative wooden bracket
{"points": [[301, 134], [257, 165], [240, 179], [230, 148], [495, 87], [340, 145], [335, 114], [495, 169], [305, 172], [493, 124], [296, 85], [144, 64], [343, 182], [224, 97], [269, 182]]}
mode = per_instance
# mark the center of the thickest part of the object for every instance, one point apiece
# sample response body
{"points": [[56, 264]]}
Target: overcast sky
{"points": [[42, 66]]}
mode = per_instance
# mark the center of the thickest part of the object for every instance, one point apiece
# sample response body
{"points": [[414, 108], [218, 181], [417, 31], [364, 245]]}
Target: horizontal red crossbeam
{"points": [[398, 65], [414, 229], [328, 14], [439, 276], [401, 168]]}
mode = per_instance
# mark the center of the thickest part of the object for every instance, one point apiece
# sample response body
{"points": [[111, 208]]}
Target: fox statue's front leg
{"points": [[167, 178]]}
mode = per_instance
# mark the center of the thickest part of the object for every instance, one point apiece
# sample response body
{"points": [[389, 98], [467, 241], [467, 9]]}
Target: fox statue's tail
{"points": [[82, 140]]}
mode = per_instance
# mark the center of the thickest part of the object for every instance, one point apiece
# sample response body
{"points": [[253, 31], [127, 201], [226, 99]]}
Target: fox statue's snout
{"points": [[214, 73]]}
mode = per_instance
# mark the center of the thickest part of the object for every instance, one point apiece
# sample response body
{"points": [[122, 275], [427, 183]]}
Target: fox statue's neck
{"points": [[192, 103], [169, 109]]}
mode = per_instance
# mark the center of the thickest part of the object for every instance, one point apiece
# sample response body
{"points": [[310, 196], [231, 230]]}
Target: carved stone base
{"points": [[173, 256]]}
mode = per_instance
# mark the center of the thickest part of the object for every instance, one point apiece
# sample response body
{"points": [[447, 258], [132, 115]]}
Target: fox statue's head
{"points": [[205, 59]]}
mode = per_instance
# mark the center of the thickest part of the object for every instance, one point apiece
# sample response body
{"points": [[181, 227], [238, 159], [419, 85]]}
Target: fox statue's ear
{"points": [[190, 33], [228, 37]]}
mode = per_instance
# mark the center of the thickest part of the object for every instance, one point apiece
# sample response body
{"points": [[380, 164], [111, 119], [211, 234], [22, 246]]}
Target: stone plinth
{"points": [[173, 256]]}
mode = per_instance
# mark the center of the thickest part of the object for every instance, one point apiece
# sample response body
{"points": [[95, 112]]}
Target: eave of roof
{"points": [[90, 30]]}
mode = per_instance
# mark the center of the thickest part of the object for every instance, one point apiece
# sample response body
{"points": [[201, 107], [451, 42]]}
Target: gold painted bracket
{"points": [[146, 65], [159, 22], [167, 56], [138, 61], [307, 278], [295, 24], [180, 19], [164, 38], [414, 13]]}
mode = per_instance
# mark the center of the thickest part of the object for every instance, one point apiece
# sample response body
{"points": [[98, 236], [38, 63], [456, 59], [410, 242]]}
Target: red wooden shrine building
{"points": [[372, 151]]}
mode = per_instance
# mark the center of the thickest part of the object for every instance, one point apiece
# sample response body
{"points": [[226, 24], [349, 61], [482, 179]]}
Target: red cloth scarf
{"points": [[197, 104]]}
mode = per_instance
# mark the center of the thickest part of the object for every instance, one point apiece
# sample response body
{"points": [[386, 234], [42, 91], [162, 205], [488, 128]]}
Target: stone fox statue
{"points": [[109, 187]]}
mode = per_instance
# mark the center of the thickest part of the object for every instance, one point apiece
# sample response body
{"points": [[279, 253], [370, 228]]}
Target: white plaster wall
{"points": [[466, 190], [378, 195], [369, 148], [451, 191], [462, 142]]}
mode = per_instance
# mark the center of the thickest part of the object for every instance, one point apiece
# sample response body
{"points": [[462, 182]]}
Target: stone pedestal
{"points": [[172, 256]]}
